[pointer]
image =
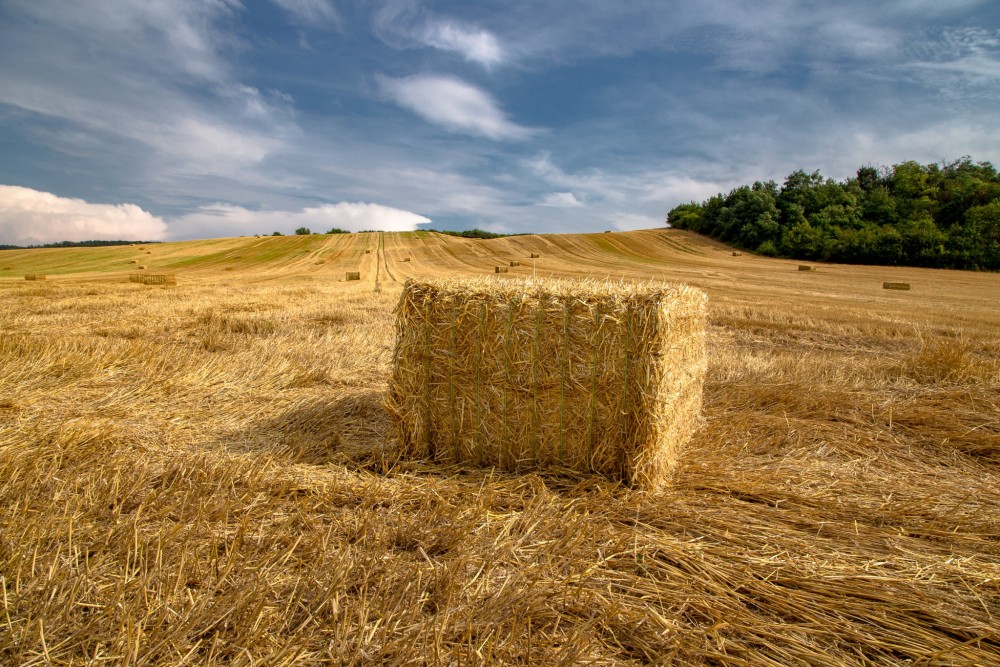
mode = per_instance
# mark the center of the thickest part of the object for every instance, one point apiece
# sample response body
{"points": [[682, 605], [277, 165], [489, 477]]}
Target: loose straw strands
{"points": [[153, 278], [584, 375]]}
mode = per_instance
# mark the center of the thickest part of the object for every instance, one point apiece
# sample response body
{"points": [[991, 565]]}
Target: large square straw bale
{"points": [[590, 376]]}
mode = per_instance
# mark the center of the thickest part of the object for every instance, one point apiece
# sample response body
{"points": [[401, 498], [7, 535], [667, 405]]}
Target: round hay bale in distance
{"points": [[353, 275]]}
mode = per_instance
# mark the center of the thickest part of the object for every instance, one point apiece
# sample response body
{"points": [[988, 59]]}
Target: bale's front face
{"points": [[588, 376]]}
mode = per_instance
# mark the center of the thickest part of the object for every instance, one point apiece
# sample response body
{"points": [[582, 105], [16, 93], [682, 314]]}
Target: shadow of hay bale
{"points": [[321, 431]]}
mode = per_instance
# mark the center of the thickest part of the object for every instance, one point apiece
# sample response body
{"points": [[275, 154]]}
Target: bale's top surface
{"points": [[559, 288]]}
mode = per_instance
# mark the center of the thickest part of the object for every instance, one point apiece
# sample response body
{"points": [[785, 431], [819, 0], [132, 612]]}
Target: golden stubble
{"points": [[205, 474]]}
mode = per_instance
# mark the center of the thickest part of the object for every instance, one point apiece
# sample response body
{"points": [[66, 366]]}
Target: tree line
{"points": [[944, 215]]}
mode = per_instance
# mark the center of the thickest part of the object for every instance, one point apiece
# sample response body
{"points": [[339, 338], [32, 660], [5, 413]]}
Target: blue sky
{"points": [[175, 119]]}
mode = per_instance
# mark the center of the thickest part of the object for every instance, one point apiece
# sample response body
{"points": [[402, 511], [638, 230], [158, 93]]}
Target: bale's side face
{"points": [[595, 377]]}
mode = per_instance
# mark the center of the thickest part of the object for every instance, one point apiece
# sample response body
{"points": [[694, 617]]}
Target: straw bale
{"points": [[805, 267], [153, 278], [899, 286], [8, 268], [737, 253], [133, 261], [142, 266], [596, 377], [501, 269], [353, 275], [368, 252], [534, 255], [405, 259], [34, 276], [514, 262]]}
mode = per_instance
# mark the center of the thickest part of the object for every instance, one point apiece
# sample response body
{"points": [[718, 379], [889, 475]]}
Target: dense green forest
{"points": [[943, 215]]}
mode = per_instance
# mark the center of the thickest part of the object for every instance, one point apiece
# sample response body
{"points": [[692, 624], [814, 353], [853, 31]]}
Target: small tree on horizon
{"points": [[302, 231], [277, 234]]}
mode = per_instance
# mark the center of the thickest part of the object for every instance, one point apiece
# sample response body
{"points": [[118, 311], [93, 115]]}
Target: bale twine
{"points": [[153, 278], [514, 262], [899, 286], [34, 276], [501, 269], [803, 267], [534, 255], [589, 376], [353, 275]]}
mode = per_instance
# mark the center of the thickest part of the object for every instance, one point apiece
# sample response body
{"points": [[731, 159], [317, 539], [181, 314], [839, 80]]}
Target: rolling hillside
{"points": [[206, 474]]}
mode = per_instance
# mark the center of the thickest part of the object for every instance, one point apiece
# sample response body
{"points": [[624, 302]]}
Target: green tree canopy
{"points": [[939, 215]]}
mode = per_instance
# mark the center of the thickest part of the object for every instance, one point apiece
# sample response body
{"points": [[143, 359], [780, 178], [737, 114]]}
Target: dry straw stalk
{"points": [[589, 376], [153, 278], [353, 275], [899, 286]]}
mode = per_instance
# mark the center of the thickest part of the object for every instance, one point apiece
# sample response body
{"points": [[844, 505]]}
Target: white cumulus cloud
{"points": [[32, 217], [473, 44], [453, 104], [223, 220], [561, 200]]}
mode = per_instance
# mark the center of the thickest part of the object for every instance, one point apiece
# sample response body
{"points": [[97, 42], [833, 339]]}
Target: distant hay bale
{"points": [[149, 252], [142, 266], [533, 255], [153, 278], [899, 286], [368, 252], [736, 253], [514, 262], [8, 268], [804, 267], [133, 261], [34, 276], [501, 269], [590, 376], [353, 275], [405, 259], [228, 268]]}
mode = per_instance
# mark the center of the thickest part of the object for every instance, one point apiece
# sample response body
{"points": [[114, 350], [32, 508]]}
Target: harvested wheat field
{"points": [[204, 473]]}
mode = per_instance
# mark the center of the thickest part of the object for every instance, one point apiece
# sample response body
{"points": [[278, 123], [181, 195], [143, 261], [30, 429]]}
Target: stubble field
{"points": [[204, 474]]}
